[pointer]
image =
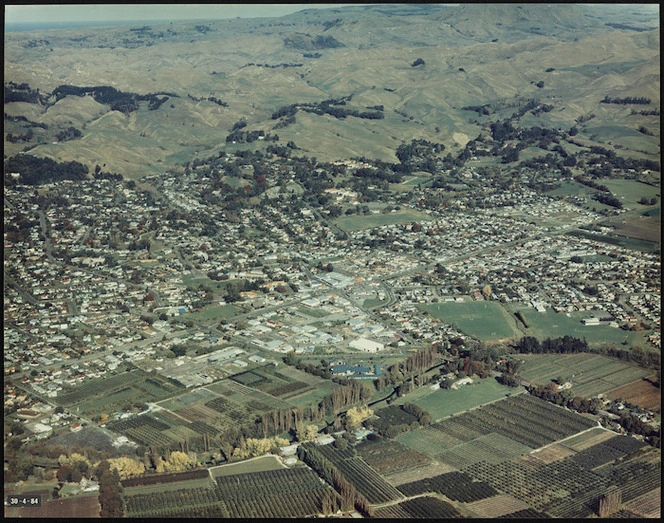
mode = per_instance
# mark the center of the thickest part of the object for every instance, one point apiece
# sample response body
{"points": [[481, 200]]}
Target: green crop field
{"points": [[550, 324], [446, 402], [359, 223], [260, 464], [486, 320]]}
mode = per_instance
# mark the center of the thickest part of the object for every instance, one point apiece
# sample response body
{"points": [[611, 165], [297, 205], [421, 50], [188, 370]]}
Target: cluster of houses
{"points": [[115, 254]]}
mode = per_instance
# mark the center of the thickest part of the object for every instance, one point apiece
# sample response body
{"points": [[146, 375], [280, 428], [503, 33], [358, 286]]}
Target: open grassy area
{"points": [[359, 223], [312, 396], [442, 403], [550, 324], [214, 312], [259, 464], [373, 302], [486, 320], [631, 191]]}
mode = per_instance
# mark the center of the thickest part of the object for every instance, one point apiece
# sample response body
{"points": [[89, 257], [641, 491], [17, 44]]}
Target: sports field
{"points": [[486, 320]]}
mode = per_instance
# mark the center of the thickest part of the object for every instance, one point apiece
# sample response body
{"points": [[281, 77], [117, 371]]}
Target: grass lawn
{"points": [[554, 325], [486, 320], [442, 403], [214, 312], [369, 221], [260, 464], [372, 302]]}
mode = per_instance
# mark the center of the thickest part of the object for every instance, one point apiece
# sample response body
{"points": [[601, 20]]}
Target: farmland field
{"points": [[446, 402], [273, 494], [427, 440], [647, 228], [590, 374], [416, 474], [496, 506], [486, 320], [552, 453], [588, 439], [424, 507], [391, 457], [186, 399], [260, 464], [364, 478], [648, 505], [641, 393], [520, 419], [165, 487], [631, 191], [457, 486], [492, 448]]}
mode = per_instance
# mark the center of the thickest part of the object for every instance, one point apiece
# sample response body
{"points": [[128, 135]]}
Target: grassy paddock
{"points": [[260, 464], [553, 325], [214, 312], [486, 320], [631, 191], [442, 403]]}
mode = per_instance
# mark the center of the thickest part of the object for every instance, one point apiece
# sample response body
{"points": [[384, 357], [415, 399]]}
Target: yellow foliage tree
{"points": [[103, 418], [127, 467], [177, 462], [259, 446], [306, 432], [356, 415], [72, 459], [487, 291]]}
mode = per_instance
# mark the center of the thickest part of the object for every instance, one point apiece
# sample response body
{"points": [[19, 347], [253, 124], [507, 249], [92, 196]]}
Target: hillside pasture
{"points": [[486, 320]]}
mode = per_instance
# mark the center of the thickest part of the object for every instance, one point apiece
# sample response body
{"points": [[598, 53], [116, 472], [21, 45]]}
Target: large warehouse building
{"points": [[366, 345]]}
